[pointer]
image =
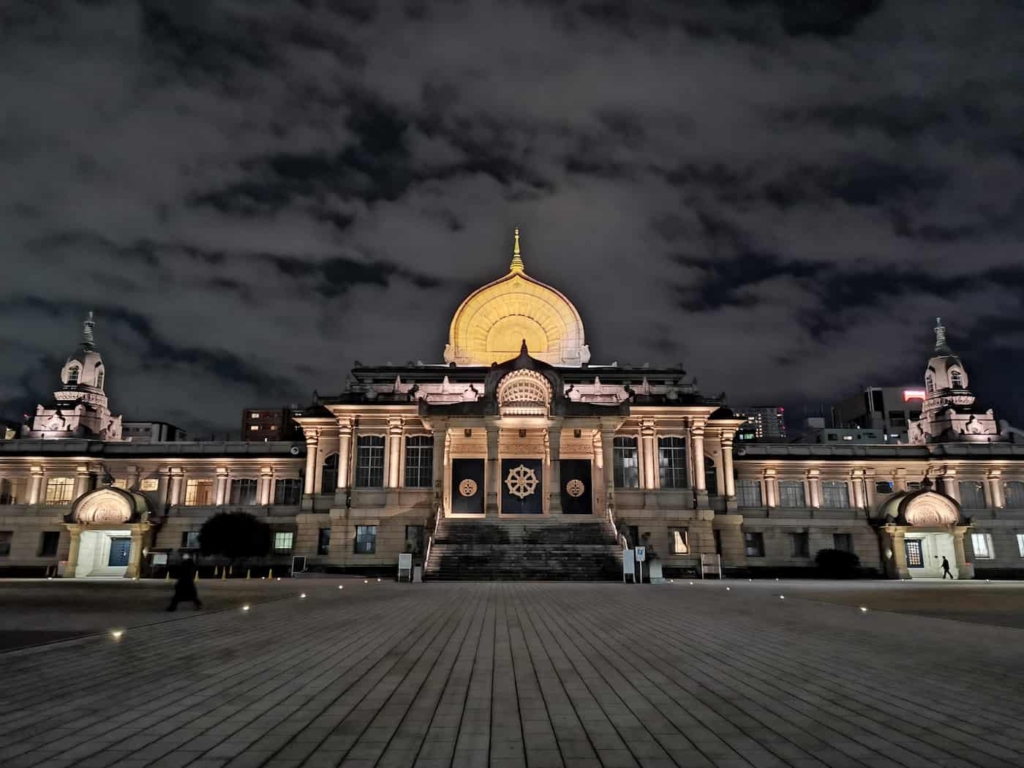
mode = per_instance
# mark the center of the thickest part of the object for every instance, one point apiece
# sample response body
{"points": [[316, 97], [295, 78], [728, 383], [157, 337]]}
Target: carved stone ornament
{"points": [[931, 510], [575, 488], [104, 507], [467, 487], [521, 481]]}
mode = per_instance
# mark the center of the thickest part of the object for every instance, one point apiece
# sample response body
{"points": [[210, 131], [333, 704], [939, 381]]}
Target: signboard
{"points": [[159, 558], [641, 554]]}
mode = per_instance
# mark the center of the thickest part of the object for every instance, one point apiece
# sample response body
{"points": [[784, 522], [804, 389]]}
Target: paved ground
{"points": [[534, 675]]}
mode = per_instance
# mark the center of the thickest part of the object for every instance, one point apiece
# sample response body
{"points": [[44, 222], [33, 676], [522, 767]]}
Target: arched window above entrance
{"points": [[329, 474]]}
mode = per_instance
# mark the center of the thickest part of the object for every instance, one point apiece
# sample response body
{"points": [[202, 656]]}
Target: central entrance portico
{"points": [[108, 528]]}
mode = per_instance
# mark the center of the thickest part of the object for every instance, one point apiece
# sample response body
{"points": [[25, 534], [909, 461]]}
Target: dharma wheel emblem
{"points": [[467, 487], [575, 488], [521, 481]]}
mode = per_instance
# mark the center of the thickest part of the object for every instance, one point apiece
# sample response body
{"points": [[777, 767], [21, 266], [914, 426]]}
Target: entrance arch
{"points": [[108, 529], [917, 529]]}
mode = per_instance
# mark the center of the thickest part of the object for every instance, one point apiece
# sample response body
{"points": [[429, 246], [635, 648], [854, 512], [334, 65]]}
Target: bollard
{"points": [[248, 574], [215, 574], [231, 570], [197, 576], [224, 574], [167, 575], [271, 574]]}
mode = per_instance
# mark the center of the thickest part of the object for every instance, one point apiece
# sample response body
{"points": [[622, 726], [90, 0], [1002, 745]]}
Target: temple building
{"points": [[517, 456]]}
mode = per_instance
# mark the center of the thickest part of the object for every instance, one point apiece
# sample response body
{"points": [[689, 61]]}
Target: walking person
{"points": [[945, 569], [185, 586]]}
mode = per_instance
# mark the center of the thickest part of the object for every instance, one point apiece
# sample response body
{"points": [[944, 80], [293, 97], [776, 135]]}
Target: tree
{"points": [[234, 535]]}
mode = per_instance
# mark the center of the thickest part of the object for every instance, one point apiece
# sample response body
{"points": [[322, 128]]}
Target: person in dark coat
{"points": [[185, 586], [945, 569]]}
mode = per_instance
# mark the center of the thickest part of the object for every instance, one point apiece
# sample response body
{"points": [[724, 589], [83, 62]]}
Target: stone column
{"points": [[134, 556], [393, 451], [814, 488], [728, 472], [76, 543], [309, 484], [220, 493], [994, 480], [870, 498], [492, 471], [650, 454], [83, 481], [963, 569], [265, 486], [697, 464], [608, 460], [554, 437], [35, 486], [133, 478], [344, 453], [163, 489], [857, 481], [771, 489], [949, 484], [174, 498]]}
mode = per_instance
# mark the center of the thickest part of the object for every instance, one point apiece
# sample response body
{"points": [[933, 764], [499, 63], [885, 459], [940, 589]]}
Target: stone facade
{"points": [[525, 435]]}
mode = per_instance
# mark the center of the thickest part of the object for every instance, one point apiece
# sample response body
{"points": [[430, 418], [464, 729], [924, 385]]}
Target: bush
{"points": [[837, 564], [234, 535]]}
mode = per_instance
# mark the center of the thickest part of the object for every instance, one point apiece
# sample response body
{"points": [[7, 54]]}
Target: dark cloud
{"points": [[782, 194]]}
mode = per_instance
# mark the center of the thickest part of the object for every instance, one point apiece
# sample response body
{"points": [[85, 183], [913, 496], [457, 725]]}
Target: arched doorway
{"points": [[917, 529], [109, 528]]}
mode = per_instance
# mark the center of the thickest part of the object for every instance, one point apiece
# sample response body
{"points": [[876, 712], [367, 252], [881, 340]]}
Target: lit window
{"points": [[791, 494], [419, 462], [915, 553], [625, 466], [847, 437], [754, 544], [748, 493], [243, 491], [672, 462], [60, 490], [800, 543], [679, 541], [283, 541], [835, 494], [73, 374], [1014, 494], [982, 545], [254, 427], [198, 493], [1020, 544], [370, 462], [956, 379], [366, 539], [149, 484], [972, 494], [254, 415]]}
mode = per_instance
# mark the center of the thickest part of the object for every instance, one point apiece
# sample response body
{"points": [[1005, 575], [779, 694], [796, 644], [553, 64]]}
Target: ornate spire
{"points": [[940, 336], [517, 259], [87, 340]]}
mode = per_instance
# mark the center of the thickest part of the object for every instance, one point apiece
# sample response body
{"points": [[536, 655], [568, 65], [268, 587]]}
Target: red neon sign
{"points": [[912, 394]]}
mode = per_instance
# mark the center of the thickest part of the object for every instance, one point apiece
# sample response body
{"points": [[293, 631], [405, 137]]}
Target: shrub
{"points": [[837, 564], [234, 535]]}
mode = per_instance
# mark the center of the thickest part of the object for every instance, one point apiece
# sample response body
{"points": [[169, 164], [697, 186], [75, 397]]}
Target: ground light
{"points": [[245, 607], [303, 595], [341, 586], [117, 633], [728, 589], [863, 609], [782, 597], [366, 581]]}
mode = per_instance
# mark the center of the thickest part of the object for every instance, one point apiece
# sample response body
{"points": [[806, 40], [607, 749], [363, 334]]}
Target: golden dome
{"points": [[492, 323]]}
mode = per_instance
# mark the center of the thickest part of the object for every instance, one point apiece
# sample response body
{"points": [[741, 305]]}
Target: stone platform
{"points": [[525, 674]]}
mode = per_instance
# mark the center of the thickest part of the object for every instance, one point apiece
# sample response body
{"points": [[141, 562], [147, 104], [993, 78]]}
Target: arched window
{"points": [[956, 379], [710, 475], [101, 376], [73, 374], [329, 474], [929, 384]]}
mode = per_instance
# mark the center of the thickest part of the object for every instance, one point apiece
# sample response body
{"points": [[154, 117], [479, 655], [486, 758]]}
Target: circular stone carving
{"points": [[575, 488], [930, 509], [103, 506], [467, 487], [521, 481]]}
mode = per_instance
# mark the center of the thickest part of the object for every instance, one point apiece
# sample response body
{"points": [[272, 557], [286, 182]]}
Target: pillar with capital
{"points": [[309, 484], [814, 487], [493, 470], [265, 486], [650, 455], [76, 542], [554, 440], [949, 484], [221, 496], [344, 454], [857, 480], [995, 488], [728, 474], [394, 451], [35, 486], [440, 474], [771, 489], [697, 464], [964, 569], [174, 495], [83, 481]]}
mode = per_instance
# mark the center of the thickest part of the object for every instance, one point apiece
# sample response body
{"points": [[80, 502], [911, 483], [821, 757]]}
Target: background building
{"points": [[765, 422], [888, 410], [270, 424], [152, 432]]}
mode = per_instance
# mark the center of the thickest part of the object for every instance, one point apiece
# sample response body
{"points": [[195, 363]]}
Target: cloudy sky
{"points": [[251, 195]]}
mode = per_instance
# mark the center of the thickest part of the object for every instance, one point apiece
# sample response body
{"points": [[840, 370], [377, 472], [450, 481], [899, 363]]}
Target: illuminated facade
{"points": [[518, 442]]}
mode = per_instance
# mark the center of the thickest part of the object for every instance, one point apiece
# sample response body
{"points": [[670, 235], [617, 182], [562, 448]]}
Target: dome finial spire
{"points": [[517, 259], [87, 339], [940, 335]]}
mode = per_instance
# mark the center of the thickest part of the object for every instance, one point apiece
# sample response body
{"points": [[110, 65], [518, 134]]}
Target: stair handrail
{"points": [[430, 540]]}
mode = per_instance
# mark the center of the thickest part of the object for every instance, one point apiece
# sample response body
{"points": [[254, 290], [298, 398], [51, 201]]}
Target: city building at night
{"points": [[517, 455]]}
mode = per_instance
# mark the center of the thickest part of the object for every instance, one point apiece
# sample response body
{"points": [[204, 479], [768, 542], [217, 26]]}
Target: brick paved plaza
{"points": [[523, 674]]}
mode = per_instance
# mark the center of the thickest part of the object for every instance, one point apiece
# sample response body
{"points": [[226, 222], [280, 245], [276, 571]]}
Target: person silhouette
{"points": [[945, 569], [185, 586]]}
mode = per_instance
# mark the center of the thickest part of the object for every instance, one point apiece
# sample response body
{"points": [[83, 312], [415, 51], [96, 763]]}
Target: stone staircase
{"points": [[541, 549]]}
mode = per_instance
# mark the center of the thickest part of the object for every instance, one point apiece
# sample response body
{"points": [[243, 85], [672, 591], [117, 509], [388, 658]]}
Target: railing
{"points": [[430, 540]]}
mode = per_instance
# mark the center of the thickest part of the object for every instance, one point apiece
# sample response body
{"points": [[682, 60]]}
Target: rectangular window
{"points": [[672, 462], [754, 544], [626, 466], [323, 541], [835, 494], [972, 494], [1014, 495], [897, 419], [198, 493], [414, 539], [678, 540], [283, 541], [914, 486], [149, 484], [243, 491], [48, 543], [190, 539], [791, 494], [366, 539], [288, 491], [800, 544], [1020, 544], [5, 542], [8, 493], [370, 462], [419, 461], [982, 545], [883, 487], [60, 490], [748, 493], [121, 483], [718, 541], [842, 541], [915, 553]]}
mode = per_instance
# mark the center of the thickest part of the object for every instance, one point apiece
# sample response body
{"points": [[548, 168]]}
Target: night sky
{"points": [[779, 195]]}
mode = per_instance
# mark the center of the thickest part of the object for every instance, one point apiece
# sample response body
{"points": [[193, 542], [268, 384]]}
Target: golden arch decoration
{"points": [[103, 506]]}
